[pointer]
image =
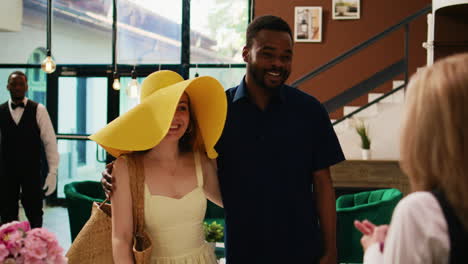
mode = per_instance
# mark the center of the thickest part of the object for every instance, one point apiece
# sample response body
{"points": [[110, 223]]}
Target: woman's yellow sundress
{"points": [[176, 225]]}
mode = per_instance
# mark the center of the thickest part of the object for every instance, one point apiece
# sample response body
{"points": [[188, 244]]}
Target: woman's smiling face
{"points": [[181, 120]]}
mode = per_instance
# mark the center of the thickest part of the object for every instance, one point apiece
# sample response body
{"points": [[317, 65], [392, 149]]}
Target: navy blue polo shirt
{"points": [[265, 165]]}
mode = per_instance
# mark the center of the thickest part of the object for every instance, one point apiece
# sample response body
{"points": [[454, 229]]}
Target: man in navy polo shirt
{"points": [[274, 158]]}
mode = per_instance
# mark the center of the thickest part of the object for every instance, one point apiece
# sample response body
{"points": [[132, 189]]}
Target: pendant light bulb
{"points": [[133, 89], [48, 65], [116, 84]]}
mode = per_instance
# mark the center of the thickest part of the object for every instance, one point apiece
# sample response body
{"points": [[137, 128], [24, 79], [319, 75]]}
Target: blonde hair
{"points": [[434, 142]]}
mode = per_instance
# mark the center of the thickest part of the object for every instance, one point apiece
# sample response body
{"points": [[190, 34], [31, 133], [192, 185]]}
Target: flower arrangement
{"points": [[19, 244], [214, 232], [363, 132]]}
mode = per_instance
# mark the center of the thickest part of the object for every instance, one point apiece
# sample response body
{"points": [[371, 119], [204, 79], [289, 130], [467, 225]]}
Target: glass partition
{"points": [[228, 77], [82, 105], [149, 32], [218, 30], [79, 161]]}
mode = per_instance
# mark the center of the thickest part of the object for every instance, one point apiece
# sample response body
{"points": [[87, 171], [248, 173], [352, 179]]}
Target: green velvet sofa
{"points": [[376, 206], [80, 197]]}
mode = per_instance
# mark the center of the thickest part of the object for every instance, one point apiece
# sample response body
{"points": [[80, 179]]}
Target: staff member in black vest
{"points": [[24, 126]]}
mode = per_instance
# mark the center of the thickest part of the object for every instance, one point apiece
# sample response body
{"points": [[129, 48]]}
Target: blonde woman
{"points": [[172, 132], [430, 225]]}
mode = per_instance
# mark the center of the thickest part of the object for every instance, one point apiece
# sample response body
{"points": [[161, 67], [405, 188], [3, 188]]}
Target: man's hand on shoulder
{"points": [[329, 259], [106, 180]]}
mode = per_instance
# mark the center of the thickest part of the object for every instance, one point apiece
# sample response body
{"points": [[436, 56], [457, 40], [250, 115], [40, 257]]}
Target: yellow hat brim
{"points": [[144, 126]]}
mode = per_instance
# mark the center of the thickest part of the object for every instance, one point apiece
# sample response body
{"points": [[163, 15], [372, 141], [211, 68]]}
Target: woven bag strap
{"points": [[137, 181]]}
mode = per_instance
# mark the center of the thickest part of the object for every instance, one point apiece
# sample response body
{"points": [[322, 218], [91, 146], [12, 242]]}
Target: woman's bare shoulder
{"points": [[120, 165]]}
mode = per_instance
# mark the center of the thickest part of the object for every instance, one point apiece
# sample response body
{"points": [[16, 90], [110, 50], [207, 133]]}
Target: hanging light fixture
{"points": [[133, 88], [116, 82], [48, 64], [196, 71]]}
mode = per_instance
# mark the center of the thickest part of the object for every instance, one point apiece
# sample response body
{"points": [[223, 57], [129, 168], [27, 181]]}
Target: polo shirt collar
{"points": [[242, 92]]}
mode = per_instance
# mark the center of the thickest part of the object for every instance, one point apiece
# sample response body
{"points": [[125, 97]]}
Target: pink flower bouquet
{"points": [[19, 244]]}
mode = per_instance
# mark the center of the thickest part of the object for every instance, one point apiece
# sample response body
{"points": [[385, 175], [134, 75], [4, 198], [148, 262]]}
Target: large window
{"points": [[127, 101], [37, 90], [82, 110], [79, 161], [82, 105], [149, 36], [149, 32], [17, 46], [218, 30], [228, 77], [82, 31]]}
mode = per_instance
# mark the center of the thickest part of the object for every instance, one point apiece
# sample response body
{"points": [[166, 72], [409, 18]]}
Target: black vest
{"points": [[21, 144], [457, 234]]}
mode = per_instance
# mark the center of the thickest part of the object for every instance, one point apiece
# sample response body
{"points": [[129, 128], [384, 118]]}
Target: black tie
{"points": [[13, 106]]}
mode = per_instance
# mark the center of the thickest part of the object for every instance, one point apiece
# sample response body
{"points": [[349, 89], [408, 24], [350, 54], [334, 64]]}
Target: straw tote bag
{"points": [[94, 242]]}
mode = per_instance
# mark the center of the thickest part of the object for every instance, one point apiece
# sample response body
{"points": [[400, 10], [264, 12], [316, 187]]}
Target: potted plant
{"points": [[363, 132], [214, 232]]}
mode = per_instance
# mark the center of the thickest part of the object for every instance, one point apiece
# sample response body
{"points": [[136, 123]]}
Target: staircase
{"points": [[382, 113], [383, 120]]}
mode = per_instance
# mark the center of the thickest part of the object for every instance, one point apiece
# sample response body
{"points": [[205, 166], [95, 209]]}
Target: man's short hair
{"points": [[267, 22], [17, 73]]}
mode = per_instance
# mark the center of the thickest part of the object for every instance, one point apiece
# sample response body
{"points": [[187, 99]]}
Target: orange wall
{"points": [[339, 36]]}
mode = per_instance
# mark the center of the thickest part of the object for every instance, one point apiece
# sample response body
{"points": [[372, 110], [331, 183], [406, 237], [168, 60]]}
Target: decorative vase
{"points": [[366, 154]]}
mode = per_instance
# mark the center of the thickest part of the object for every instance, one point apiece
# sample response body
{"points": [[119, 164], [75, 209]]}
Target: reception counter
{"points": [[369, 174]]}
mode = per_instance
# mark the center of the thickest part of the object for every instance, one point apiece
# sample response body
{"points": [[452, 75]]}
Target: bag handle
{"points": [[137, 180], [104, 202]]}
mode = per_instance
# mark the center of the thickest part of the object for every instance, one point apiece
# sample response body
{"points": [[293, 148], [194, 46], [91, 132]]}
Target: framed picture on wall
{"points": [[308, 24], [346, 9]]}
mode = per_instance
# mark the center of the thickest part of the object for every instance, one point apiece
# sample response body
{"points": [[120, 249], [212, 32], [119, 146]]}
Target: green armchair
{"points": [[80, 197], [375, 206]]}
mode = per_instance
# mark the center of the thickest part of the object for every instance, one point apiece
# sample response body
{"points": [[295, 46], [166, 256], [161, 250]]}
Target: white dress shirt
{"points": [[417, 234], [47, 132]]}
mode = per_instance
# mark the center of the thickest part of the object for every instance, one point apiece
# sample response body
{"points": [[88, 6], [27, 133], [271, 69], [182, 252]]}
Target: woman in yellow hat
{"points": [[173, 130]]}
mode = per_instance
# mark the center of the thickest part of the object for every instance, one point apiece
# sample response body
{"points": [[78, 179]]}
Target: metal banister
{"points": [[361, 46]]}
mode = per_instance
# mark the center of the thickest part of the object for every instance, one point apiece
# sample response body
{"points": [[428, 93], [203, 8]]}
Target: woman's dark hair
{"points": [[267, 22]]}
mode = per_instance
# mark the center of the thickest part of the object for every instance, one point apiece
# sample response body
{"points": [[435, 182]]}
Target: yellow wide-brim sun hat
{"points": [[145, 125]]}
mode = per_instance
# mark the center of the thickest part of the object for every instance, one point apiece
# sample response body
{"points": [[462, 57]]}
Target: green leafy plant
{"points": [[363, 132], [214, 232]]}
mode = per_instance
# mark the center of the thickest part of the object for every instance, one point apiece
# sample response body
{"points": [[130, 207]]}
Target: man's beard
{"points": [[17, 98], [259, 78]]}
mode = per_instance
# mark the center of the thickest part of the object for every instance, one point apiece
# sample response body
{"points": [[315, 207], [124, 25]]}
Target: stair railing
{"points": [[375, 80]]}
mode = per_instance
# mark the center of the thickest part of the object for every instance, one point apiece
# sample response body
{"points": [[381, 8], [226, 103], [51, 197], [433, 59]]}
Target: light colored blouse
{"points": [[418, 233]]}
